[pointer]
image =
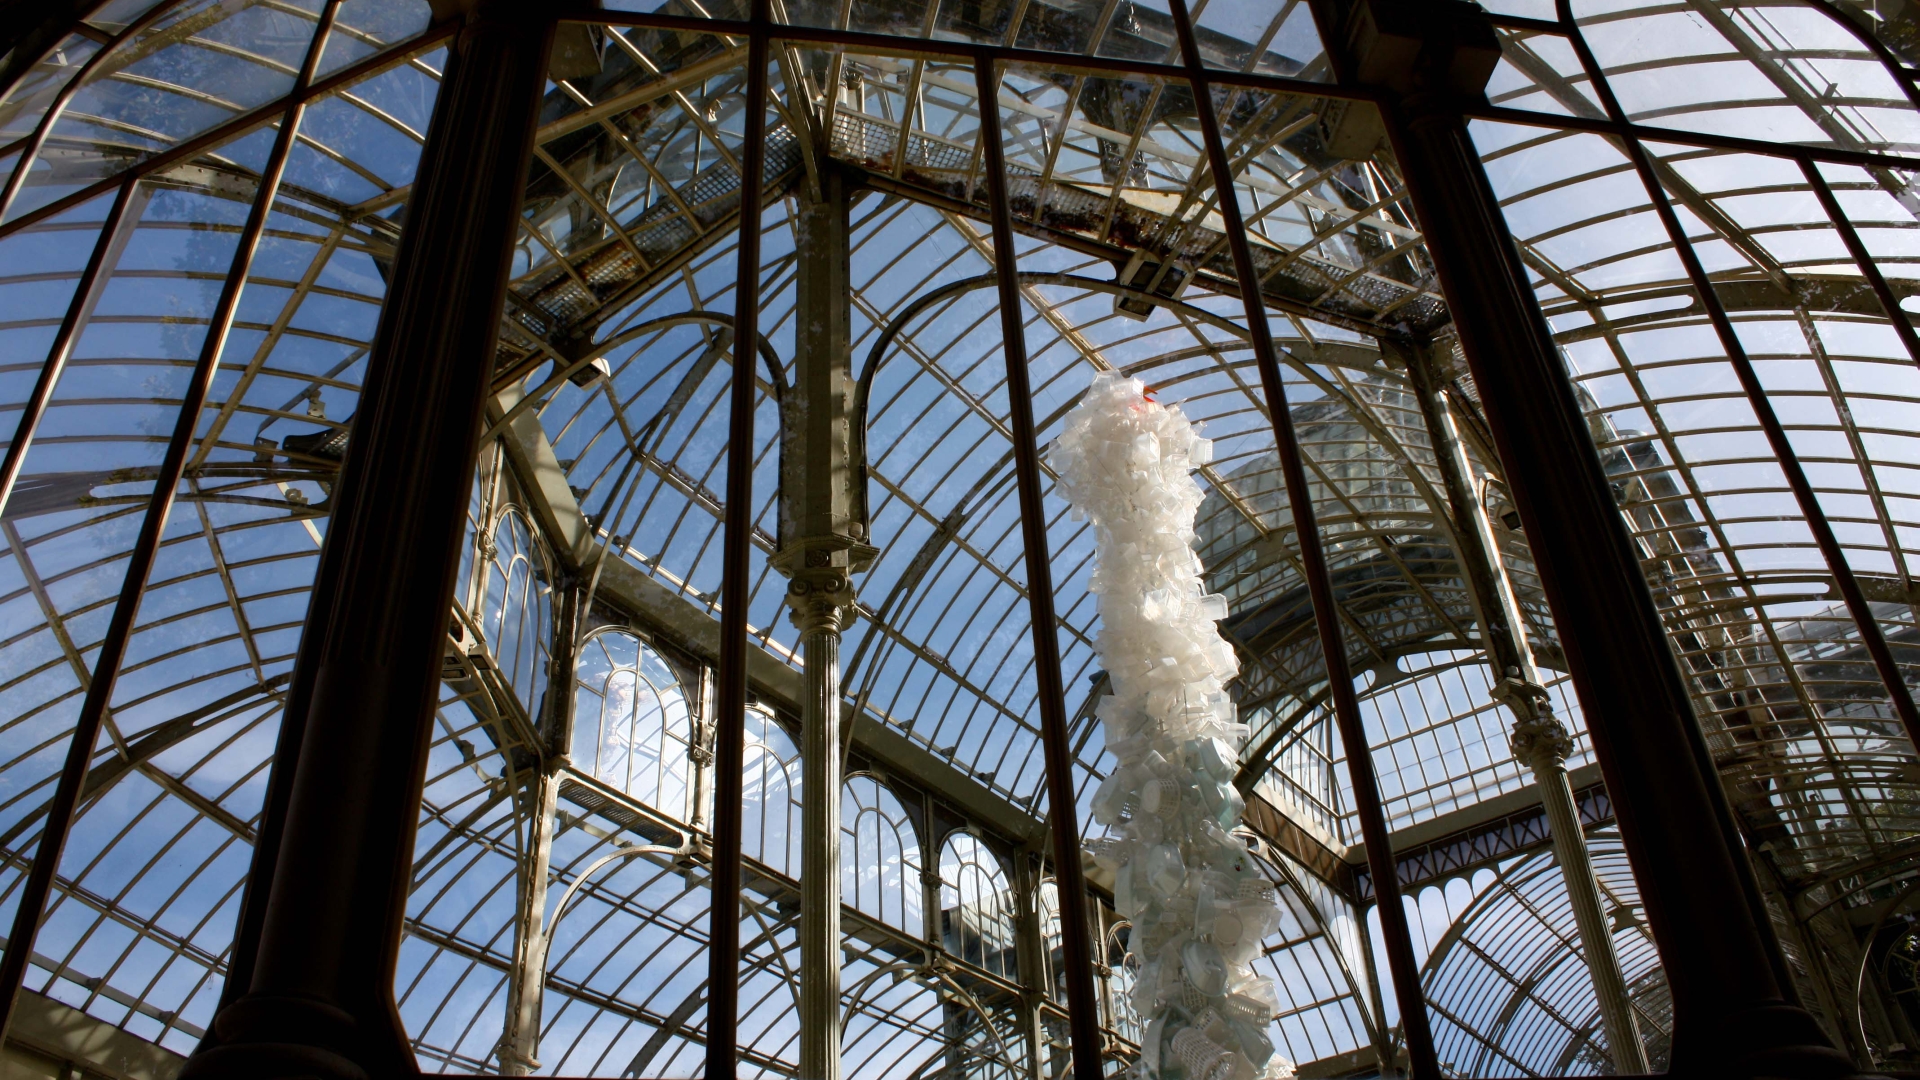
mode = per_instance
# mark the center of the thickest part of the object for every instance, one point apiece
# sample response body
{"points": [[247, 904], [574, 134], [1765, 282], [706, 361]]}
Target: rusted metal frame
{"points": [[672, 193], [830, 92], [1102, 21], [560, 257], [145, 552], [910, 104], [1325, 234], [1370, 268], [1417, 1032], [1086, 245], [1075, 911], [1788, 459], [85, 293], [239, 125], [914, 105], [1173, 231], [797, 83], [594, 112], [1280, 200], [1863, 258], [723, 950], [58, 105], [1126, 162]]}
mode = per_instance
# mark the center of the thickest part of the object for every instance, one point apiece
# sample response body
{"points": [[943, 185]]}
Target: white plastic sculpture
{"points": [[1200, 907]]}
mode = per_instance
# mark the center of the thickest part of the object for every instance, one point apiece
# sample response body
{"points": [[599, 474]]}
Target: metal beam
{"points": [[48, 1038], [685, 624]]}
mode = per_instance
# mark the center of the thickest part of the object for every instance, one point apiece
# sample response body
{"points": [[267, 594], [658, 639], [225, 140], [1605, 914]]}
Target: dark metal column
{"points": [[1398, 939], [1076, 917], [1731, 1013], [319, 1002], [730, 681]]}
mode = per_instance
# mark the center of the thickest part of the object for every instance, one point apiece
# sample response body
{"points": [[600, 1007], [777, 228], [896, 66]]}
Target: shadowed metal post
{"points": [[320, 1001], [730, 682], [1076, 916]]}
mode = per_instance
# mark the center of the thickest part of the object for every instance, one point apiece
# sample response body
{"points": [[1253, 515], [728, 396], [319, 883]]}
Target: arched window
{"points": [[517, 609], [770, 829], [977, 906], [879, 855], [631, 725]]}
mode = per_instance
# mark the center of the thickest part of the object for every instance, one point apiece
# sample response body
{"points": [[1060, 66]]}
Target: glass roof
{"points": [[626, 252]]}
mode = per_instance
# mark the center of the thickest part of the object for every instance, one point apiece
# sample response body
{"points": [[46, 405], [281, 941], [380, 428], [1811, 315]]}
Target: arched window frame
{"points": [[656, 767]]}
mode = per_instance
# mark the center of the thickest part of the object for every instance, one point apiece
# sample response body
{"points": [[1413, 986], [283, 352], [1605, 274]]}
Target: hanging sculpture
{"points": [[1200, 907]]}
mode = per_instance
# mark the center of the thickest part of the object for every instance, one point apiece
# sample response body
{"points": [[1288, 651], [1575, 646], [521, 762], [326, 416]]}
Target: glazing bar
{"points": [[58, 107], [146, 549], [1083, 1001], [1313, 561], [1856, 247], [1803, 494], [730, 713], [85, 293]]}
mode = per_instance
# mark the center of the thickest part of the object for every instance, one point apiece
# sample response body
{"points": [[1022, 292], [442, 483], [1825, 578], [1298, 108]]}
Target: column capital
{"points": [[1541, 740], [820, 580], [1538, 737]]}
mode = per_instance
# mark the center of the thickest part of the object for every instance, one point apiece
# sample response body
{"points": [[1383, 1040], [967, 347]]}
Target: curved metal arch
{"points": [[580, 879], [1527, 869], [58, 106], [1880, 49], [991, 480], [912, 970], [1360, 995], [876, 355], [776, 372], [27, 35], [1361, 413], [999, 858], [1359, 410], [610, 629]]}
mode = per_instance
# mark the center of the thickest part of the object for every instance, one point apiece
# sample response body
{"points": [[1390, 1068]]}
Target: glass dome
{"points": [[199, 230]]}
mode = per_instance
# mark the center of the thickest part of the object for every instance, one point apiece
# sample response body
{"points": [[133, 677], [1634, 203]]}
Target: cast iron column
{"points": [[519, 1047], [320, 1001], [822, 544], [1539, 738], [1732, 1013]]}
